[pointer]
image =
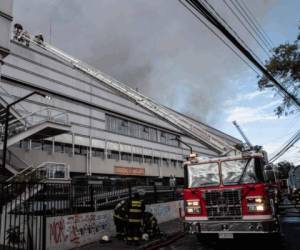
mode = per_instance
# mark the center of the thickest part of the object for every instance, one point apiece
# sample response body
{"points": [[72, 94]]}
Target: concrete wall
{"points": [[71, 231], [78, 163], [5, 26]]}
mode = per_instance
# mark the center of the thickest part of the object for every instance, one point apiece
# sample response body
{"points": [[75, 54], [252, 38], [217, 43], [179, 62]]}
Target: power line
{"points": [[252, 24], [257, 23], [249, 31], [290, 143], [236, 34], [218, 36], [201, 9]]}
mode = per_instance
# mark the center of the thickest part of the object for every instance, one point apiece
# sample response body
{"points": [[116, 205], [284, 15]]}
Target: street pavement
{"points": [[290, 227], [169, 228]]}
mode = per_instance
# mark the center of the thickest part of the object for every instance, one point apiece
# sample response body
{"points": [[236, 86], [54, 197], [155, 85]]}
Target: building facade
{"points": [[109, 135]]}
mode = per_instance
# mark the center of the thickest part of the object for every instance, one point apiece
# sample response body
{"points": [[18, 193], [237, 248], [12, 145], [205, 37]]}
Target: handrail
{"points": [[49, 117], [19, 104]]}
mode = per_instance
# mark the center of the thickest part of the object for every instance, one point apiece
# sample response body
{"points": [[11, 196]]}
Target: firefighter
{"points": [[17, 31], [136, 208], [120, 219], [150, 225]]}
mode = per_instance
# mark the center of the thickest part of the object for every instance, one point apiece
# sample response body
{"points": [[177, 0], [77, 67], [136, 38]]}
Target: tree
{"points": [[284, 65], [283, 168]]}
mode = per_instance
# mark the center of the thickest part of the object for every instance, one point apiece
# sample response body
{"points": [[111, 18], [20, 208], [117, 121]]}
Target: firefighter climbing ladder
{"points": [[192, 129]]}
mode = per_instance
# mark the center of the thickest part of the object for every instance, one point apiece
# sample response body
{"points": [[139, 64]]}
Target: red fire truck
{"points": [[231, 195]]}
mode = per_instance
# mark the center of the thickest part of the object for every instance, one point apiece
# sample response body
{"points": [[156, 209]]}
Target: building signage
{"points": [[129, 170]]}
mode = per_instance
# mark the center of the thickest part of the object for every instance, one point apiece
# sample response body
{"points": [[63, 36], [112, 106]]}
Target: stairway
{"points": [[44, 123]]}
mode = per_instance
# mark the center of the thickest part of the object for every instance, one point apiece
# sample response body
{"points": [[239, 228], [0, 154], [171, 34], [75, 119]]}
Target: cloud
{"points": [[245, 115], [150, 45]]}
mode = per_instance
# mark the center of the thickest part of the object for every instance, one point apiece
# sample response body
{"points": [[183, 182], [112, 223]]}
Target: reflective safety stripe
{"points": [[134, 220], [134, 210], [136, 238], [129, 238], [136, 203], [118, 217]]}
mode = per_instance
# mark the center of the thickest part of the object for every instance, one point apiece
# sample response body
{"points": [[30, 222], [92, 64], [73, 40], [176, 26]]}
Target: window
{"points": [[47, 146], [165, 162], [126, 156], [59, 147], [111, 154], [180, 164], [80, 150], [36, 144], [68, 149], [163, 138], [156, 161], [137, 158], [148, 159], [98, 152], [134, 129], [24, 144], [173, 163], [206, 174]]}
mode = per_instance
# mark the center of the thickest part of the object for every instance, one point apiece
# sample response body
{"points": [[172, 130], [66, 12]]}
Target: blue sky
{"points": [[253, 109]]}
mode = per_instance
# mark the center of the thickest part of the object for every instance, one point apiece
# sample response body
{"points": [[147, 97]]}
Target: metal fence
{"points": [[25, 206]]}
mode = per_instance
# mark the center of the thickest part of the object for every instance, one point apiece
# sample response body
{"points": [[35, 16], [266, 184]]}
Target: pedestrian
{"points": [[120, 219], [136, 208]]}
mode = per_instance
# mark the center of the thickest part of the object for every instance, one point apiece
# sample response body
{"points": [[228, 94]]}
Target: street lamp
{"points": [[7, 119]]}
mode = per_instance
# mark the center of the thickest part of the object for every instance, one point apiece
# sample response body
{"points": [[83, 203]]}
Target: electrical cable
{"points": [[245, 26], [236, 34], [201, 9], [290, 143], [258, 24], [252, 24], [218, 36]]}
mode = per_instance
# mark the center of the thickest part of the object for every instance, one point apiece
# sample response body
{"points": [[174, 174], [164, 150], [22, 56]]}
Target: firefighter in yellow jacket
{"points": [[136, 208], [120, 219]]}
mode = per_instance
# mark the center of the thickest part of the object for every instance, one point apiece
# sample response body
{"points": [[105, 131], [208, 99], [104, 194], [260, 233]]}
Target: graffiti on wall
{"points": [[67, 232], [75, 230]]}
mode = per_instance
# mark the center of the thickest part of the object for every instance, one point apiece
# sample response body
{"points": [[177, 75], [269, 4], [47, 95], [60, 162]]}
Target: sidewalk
{"points": [[170, 227]]}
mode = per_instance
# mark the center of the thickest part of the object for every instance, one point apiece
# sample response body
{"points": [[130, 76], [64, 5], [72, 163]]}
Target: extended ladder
{"points": [[196, 131]]}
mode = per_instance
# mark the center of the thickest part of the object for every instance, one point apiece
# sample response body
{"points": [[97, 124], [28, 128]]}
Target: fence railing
{"points": [[24, 206], [68, 198]]}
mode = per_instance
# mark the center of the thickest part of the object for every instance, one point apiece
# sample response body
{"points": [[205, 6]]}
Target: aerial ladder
{"points": [[194, 130], [249, 144]]}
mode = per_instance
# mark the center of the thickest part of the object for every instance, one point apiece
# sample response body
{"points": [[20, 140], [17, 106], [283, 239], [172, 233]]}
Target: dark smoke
{"points": [[155, 46]]}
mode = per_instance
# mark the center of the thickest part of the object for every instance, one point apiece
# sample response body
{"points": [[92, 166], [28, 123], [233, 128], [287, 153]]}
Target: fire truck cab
{"points": [[232, 195]]}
